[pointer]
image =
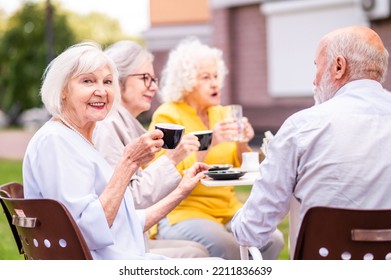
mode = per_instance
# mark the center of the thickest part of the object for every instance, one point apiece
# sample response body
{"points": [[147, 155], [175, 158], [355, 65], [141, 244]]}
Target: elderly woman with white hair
{"points": [[138, 85], [191, 93], [80, 88]]}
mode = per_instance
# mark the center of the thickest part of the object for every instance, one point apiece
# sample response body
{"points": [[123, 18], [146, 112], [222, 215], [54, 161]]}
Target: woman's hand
{"points": [[143, 149], [227, 128], [223, 131], [192, 176], [138, 152], [189, 143]]}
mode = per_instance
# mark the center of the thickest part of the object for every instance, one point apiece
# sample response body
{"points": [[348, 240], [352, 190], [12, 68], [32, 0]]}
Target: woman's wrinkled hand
{"points": [[143, 149], [189, 143], [225, 131], [192, 176]]}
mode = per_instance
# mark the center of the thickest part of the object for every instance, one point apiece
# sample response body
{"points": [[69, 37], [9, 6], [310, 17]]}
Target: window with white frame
{"points": [[294, 29]]}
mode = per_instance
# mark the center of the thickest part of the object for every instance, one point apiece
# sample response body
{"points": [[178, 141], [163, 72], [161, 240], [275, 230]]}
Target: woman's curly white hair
{"points": [[179, 75]]}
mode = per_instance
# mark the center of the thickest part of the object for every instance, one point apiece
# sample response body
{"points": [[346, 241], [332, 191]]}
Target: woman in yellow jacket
{"points": [[192, 80]]}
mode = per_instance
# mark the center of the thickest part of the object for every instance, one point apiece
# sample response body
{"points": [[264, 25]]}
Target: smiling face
{"points": [[88, 98], [136, 97], [206, 93]]}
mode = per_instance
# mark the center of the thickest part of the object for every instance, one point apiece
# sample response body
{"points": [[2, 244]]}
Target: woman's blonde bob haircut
{"points": [[76, 60], [179, 76]]}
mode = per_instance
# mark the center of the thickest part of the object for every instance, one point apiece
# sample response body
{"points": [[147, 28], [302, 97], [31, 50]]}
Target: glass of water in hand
{"points": [[235, 112]]}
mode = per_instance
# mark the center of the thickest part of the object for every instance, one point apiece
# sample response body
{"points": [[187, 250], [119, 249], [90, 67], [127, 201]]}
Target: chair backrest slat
{"points": [[371, 235], [330, 233]]}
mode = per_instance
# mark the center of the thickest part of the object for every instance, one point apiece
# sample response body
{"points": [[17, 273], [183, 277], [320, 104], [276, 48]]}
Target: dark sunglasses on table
{"points": [[148, 79]]}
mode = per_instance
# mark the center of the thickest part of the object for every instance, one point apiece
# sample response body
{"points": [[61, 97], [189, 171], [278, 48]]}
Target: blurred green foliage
{"points": [[10, 171], [25, 50], [24, 53]]}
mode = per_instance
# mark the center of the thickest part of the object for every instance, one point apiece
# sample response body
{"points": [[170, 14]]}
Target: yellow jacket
{"points": [[215, 203]]}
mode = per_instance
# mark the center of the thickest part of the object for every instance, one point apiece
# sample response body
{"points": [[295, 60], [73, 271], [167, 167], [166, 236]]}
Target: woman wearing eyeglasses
{"points": [[138, 88], [193, 78]]}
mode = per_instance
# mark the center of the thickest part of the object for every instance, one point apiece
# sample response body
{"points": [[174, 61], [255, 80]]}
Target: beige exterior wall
{"points": [[179, 11]]}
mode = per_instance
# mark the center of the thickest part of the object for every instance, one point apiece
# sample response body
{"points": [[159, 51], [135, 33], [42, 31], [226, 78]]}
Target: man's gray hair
{"points": [[365, 60]]}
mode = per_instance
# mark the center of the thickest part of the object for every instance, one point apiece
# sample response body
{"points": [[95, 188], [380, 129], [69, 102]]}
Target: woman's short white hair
{"points": [[128, 57], [81, 58], [179, 75]]}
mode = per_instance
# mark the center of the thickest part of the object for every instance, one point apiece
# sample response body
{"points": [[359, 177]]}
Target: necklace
{"points": [[67, 124]]}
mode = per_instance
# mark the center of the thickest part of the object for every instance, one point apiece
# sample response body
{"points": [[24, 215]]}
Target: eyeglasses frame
{"points": [[153, 79]]}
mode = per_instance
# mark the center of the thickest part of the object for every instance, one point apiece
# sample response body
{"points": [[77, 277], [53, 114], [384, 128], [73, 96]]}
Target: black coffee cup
{"points": [[205, 138], [172, 134]]}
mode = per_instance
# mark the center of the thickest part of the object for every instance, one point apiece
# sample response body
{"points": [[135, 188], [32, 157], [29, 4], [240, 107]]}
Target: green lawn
{"points": [[9, 171], [12, 171]]}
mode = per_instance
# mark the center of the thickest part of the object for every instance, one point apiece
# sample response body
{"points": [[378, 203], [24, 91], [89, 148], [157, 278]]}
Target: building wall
{"points": [[247, 55], [178, 11], [171, 21], [240, 32], [383, 28], [221, 37]]}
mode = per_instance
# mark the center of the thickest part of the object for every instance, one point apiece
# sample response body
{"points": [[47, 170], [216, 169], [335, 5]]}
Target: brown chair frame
{"points": [[349, 234], [45, 227], [12, 190]]}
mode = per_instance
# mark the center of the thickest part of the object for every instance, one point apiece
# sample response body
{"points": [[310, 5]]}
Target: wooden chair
{"points": [[12, 189], [45, 228], [347, 234]]}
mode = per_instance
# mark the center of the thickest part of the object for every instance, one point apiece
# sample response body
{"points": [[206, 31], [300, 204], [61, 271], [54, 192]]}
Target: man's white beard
{"points": [[316, 98], [325, 90]]}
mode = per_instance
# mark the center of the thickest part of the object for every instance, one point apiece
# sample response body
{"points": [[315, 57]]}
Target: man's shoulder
{"points": [[309, 118], [305, 113]]}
